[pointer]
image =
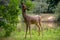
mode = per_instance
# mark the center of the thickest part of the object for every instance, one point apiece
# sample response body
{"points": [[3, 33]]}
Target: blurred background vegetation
{"points": [[11, 15]]}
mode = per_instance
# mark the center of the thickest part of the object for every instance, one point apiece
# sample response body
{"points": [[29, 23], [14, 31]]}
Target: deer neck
{"points": [[24, 13]]}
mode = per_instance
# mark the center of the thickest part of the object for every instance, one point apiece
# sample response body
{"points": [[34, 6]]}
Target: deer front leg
{"points": [[26, 30], [30, 31]]}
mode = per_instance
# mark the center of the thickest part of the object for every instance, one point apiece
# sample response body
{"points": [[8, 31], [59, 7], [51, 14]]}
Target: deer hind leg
{"points": [[38, 28], [41, 28], [26, 30]]}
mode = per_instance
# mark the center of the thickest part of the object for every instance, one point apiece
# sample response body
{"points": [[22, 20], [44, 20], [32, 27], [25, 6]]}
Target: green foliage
{"points": [[58, 19], [10, 14], [29, 4], [52, 5], [40, 6], [57, 11]]}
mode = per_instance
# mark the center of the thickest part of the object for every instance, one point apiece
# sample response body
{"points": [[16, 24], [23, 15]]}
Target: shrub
{"points": [[57, 11], [10, 13]]}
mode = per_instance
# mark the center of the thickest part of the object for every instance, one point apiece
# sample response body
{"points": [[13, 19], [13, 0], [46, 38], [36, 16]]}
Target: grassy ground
{"points": [[50, 34]]}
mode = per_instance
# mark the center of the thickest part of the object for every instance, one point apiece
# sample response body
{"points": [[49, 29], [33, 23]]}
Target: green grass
{"points": [[50, 34]]}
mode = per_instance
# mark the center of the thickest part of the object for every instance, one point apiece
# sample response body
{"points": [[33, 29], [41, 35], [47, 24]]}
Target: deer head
{"points": [[24, 7]]}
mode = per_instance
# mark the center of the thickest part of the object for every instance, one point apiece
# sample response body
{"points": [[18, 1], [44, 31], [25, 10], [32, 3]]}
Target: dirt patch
{"points": [[48, 17]]}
